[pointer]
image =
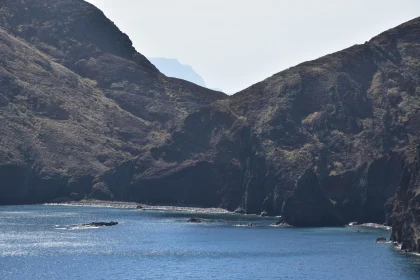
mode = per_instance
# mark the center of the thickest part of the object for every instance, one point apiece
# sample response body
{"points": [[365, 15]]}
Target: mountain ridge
{"points": [[347, 115], [82, 118]]}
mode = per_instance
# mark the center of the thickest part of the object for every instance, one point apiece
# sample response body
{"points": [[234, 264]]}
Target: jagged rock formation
{"points": [[76, 99]]}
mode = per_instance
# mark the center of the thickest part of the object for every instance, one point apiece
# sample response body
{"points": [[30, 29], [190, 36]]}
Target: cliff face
{"points": [[349, 116], [406, 215], [323, 143], [76, 99]]}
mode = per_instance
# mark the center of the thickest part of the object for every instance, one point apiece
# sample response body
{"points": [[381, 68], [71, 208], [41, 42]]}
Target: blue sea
{"points": [[39, 242]]}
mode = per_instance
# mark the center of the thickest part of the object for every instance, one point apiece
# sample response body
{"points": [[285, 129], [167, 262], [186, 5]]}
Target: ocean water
{"points": [[38, 242]]}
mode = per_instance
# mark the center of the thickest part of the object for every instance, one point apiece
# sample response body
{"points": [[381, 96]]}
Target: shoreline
{"points": [[370, 225], [397, 247], [177, 208], [145, 207]]}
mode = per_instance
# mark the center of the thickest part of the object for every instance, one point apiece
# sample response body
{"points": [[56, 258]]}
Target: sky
{"points": [[233, 44]]}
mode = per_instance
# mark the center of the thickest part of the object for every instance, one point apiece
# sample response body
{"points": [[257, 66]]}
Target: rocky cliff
{"points": [[349, 117], [325, 142], [76, 99], [406, 215]]}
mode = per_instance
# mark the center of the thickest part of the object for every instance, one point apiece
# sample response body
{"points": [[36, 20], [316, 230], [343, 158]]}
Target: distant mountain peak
{"points": [[171, 67]]}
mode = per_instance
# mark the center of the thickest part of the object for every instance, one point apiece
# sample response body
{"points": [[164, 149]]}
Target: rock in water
{"points": [[195, 220], [308, 205], [381, 240], [281, 221], [100, 224]]}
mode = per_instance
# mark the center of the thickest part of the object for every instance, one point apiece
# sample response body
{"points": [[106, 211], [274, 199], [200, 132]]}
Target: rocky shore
{"points": [[143, 207]]}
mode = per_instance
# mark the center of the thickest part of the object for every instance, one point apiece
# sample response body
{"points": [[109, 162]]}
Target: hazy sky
{"points": [[235, 43]]}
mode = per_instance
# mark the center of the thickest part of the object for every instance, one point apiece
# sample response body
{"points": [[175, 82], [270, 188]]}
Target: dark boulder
{"points": [[195, 220], [380, 240], [280, 222]]}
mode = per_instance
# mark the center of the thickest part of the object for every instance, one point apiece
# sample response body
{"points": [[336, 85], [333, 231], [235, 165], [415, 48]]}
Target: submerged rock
{"points": [[139, 207], [195, 220]]}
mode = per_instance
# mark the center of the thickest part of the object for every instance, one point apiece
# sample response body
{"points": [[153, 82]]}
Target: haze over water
{"points": [[34, 244]]}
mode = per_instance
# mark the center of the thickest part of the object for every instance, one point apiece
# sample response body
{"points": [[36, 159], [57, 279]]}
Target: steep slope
{"points": [[79, 36], [76, 99], [348, 117]]}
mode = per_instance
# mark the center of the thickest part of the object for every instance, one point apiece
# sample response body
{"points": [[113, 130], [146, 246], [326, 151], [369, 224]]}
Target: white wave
{"points": [[370, 225], [76, 227], [283, 225], [373, 225], [13, 253]]}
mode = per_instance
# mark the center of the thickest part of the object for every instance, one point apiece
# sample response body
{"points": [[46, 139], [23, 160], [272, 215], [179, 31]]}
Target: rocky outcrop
{"points": [[380, 240], [406, 213]]}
